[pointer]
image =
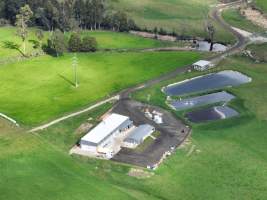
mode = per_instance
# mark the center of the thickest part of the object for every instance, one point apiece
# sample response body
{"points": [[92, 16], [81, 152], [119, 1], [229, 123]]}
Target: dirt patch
{"points": [[139, 173], [154, 36], [84, 128], [255, 17]]}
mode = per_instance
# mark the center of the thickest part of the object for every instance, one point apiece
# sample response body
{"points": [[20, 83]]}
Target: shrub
{"points": [[75, 43], [89, 44], [56, 45], [3, 22]]}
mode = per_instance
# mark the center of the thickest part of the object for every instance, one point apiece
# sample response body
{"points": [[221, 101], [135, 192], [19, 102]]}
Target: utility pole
{"points": [[75, 65]]}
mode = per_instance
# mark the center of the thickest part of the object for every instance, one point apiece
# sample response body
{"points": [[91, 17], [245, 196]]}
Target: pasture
{"points": [[115, 40], [261, 4], [230, 153], [221, 160], [233, 17], [105, 39], [40, 89], [9, 34], [182, 16], [258, 51]]}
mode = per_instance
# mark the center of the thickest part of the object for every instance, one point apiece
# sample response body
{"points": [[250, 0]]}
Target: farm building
{"points": [[101, 138], [138, 135], [202, 65]]}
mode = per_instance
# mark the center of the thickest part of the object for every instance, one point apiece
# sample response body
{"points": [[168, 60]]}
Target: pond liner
{"points": [[205, 83], [211, 114]]}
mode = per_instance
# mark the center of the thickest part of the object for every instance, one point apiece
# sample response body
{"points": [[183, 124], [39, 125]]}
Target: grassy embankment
{"points": [[233, 17], [261, 4], [258, 51], [182, 16]]}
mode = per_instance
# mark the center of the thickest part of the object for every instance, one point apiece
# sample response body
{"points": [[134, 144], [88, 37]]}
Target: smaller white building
{"points": [[202, 65]]}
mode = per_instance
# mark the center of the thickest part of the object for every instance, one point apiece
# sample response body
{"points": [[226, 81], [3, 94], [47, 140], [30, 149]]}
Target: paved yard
{"points": [[172, 134]]}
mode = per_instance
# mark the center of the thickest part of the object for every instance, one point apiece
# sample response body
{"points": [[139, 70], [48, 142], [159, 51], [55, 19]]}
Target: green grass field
{"points": [[182, 16], [233, 17], [115, 40], [258, 51], [9, 34], [223, 160], [262, 4], [228, 160], [230, 152], [41, 89], [105, 39]]}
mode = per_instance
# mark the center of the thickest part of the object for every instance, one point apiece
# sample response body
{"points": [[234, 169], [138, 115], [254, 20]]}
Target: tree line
{"points": [[68, 15], [57, 43]]}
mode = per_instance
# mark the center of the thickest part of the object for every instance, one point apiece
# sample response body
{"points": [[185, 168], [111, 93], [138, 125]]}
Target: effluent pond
{"points": [[206, 83], [203, 100], [211, 114], [205, 46]]}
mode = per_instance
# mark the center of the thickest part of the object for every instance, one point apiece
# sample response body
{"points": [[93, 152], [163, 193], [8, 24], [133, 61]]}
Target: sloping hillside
{"points": [[262, 4], [182, 16]]}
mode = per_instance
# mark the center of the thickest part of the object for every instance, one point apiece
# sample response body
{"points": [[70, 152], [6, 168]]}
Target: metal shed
{"points": [[138, 135], [202, 65]]}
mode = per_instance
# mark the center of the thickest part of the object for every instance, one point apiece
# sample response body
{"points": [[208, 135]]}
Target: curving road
{"points": [[241, 40]]}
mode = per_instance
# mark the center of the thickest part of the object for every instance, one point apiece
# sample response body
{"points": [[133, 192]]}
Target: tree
{"points": [[132, 25], [78, 9], [120, 21], [211, 32], [12, 8], [22, 19], [51, 15], [155, 31], [98, 11], [13, 46], [56, 44], [89, 44], [66, 13], [42, 18], [75, 43], [40, 36], [245, 3], [2, 9]]}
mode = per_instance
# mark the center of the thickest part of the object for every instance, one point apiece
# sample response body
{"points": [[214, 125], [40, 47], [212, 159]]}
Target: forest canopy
{"points": [[68, 15]]}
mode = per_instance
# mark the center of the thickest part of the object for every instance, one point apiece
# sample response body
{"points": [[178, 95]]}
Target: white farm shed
{"points": [[103, 134], [202, 65]]}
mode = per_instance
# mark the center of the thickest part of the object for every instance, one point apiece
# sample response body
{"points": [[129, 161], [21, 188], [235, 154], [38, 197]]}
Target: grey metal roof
{"points": [[139, 133]]}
